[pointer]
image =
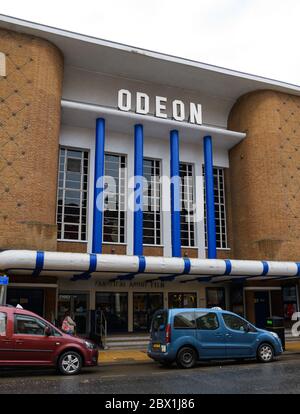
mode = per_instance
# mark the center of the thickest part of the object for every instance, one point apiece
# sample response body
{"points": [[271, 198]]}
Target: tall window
{"points": [[151, 201], [72, 194], [220, 208], [114, 199], [187, 205]]}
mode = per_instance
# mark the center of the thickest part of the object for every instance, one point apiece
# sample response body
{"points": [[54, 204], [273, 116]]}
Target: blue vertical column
{"points": [[175, 194], [138, 190], [98, 186], [209, 194]]}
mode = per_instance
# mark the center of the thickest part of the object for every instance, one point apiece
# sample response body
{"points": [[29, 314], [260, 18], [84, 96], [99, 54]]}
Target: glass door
{"points": [[144, 307], [77, 305], [114, 305]]}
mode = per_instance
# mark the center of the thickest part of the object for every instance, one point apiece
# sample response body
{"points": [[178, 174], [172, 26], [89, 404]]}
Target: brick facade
{"points": [[265, 177], [30, 96]]}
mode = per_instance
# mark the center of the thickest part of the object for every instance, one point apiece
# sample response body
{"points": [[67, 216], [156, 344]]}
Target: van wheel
{"points": [[70, 363], [186, 358], [265, 353]]}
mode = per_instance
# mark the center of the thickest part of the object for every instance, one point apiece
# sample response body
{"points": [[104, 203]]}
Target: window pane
{"points": [[74, 165], [206, 321], [234, 322], [29, 326], [185, 320]]}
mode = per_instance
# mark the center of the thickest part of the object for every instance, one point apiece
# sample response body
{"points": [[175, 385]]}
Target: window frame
{"points": [[119, 211], [28, 317], [192, 242], [158, 232], [84, 182], [219, 176]]}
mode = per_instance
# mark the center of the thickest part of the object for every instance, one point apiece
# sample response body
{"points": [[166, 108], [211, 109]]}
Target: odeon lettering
{"points": [[141, 104]]}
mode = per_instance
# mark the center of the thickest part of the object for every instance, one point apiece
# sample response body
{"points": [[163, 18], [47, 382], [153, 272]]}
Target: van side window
{"points": [[185, 320], [234, 322], [207, 321], [27, 325], [3, 323]]}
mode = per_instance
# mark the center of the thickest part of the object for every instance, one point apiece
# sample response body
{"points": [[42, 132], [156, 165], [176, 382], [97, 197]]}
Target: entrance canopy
{"points": [[83, 266], [84, 115]]}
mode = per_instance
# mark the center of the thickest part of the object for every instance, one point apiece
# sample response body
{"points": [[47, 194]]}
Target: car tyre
{"points": [[265, 353], [186, 358], [69, 363]]}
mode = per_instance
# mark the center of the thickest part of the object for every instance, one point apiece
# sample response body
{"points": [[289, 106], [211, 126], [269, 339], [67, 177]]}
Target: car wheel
{"points": [[70, 363], [186, 358], [265, 353]]}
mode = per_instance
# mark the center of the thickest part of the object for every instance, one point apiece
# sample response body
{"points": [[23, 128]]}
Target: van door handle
{"points": [[228, 335], [7, 341], [19, 341]]}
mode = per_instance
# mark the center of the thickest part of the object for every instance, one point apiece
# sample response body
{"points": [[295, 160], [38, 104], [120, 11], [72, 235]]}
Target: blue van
{"points": [[188, 335]]}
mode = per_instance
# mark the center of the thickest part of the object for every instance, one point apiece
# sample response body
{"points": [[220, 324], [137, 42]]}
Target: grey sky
{"points": [[256, 36]]}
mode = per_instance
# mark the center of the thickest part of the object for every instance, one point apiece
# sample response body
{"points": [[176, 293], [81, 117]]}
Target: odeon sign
{"points": [[179, 110]]}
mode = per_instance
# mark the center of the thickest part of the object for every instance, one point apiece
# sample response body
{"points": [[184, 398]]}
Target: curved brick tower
{"points": [[30, 95], [265, 176]]}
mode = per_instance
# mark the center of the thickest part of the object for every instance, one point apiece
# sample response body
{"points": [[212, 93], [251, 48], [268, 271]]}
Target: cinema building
{"points": [[75, 109]]}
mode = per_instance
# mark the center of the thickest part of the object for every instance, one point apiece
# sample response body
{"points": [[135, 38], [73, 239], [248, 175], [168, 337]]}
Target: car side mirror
{"points": [[47, 331]]}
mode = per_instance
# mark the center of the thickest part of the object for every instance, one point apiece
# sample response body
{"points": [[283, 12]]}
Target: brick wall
{"points": [[30, 95], [265, 176]]}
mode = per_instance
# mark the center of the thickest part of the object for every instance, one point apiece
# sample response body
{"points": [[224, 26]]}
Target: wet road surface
{"points": [[281, 376]]}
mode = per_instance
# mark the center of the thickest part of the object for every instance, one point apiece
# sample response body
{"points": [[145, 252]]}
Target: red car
{"points": [[26, 339]]}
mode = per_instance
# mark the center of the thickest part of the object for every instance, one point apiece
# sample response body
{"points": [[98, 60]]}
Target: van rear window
{"points": [[185, 320], [159, 319]]}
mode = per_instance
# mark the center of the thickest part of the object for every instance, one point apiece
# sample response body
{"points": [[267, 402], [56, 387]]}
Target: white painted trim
{"points": [[44, 31], [100, 110]]}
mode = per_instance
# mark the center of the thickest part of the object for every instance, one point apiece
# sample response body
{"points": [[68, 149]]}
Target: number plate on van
{"points": [[156, 346]]}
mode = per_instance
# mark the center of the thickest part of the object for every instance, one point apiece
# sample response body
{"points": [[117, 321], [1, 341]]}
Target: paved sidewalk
{"points": [[292, 346], [119, 356], [110, 356]]}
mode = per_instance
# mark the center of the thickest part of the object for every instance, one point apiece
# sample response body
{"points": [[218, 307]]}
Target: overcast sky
{"points": [[261, 37]]}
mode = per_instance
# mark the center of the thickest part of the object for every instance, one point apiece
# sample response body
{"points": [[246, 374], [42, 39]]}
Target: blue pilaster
{"points": [[138, 190], [209, 193], [175, 194], [98, 186]]}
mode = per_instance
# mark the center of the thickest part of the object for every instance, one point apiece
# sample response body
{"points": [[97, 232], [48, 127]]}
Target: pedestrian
{"points": [[68, 325]]}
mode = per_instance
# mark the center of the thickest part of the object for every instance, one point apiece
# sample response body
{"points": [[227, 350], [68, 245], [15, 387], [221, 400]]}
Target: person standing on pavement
{"points": [[68, 325]]}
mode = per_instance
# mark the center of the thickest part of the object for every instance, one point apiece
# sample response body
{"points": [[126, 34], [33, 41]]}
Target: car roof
{"points": [[178, 310], [13, 309]]}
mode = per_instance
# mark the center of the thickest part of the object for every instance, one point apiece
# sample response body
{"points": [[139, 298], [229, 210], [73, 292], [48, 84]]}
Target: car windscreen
{"points": [[160, 318]]}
